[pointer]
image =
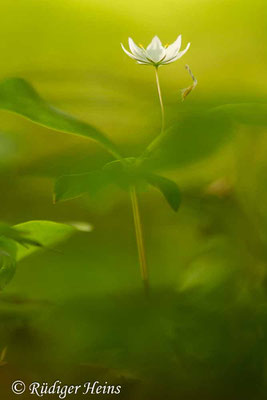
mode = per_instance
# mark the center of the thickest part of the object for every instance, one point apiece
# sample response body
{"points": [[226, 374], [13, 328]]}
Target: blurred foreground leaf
{"points": [[246, 113], [47, 233], [197, 134], [7, 260], [18, 96], [19, 237], [24, 239], [193, 137]]}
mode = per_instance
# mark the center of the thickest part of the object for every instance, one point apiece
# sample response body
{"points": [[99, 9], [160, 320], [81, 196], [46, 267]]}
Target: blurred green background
{"points": [[79, 313]]}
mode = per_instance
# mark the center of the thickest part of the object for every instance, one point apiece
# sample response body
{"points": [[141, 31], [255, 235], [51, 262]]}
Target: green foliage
{"points": [[124, 174], [18, 96], [47, 233], [196, 135], [193, 137], [199, 133], [71, 186], [80, 314], [19, 237], [7, 260], [21, 240], [168, 188], [244, 113]]}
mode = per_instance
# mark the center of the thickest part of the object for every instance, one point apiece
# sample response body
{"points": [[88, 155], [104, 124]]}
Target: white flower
{"points": [[155, 54]]}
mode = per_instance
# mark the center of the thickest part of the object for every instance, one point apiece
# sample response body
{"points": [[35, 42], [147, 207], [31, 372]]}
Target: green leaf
{"points": [[19, 97], [71, 186], [122, 174], [7, 260], [11, 233], [126, 173], [168, 188], [244, 113], [194, 137], [198, 134], [4, 228], [21, 240], [46, 233]]}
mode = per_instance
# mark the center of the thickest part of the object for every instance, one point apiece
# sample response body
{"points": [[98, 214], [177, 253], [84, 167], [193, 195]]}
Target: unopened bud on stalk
{"points": [[185, 92]]}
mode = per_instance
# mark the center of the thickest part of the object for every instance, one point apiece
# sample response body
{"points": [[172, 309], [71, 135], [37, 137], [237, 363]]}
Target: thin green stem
{"points": [[161, 101], [160, 136], [139, 238], [134, 198]]}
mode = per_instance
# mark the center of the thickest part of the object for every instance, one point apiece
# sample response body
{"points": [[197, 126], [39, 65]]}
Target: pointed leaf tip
{"points": [[168, 188]]}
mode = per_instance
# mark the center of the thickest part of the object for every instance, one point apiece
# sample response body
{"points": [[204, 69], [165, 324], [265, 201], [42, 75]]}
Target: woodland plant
{"points": [[194, 136], [130, 173], [155, 55]]}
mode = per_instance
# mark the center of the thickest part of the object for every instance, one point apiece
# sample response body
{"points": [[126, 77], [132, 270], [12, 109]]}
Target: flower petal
{"points": [[155, 51], [174, 48], [179, 55], [136, 50], [127, 52], [144, 63], [134, 57]]}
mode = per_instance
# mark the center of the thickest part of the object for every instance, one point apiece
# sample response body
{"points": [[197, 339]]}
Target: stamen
{"points": [[166, 45], [140, 45]]}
